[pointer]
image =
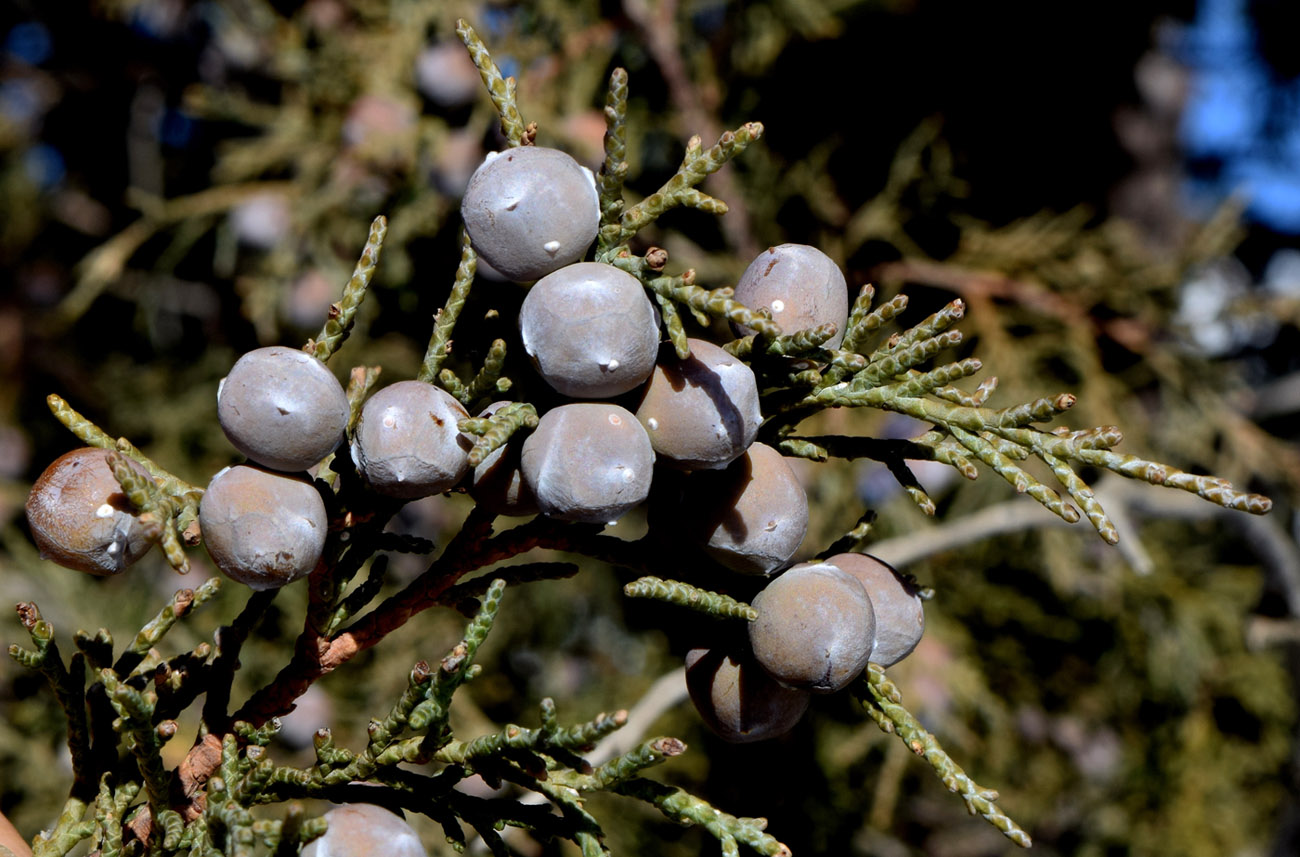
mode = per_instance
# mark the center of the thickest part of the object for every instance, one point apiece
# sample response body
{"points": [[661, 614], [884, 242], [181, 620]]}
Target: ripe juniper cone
{"points": [[365, 830], [588, 462], [900, 613], [751, 517], [800, 285], [407, 444], [263, 528], [282, 408], [737, 699], [815, 628], [81, 519], [590, 330], [530, 210], [497, 483], [701, 412]]}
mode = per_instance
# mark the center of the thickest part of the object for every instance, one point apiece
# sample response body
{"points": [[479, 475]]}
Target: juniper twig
{"points": [[609, 182], [684, 595], [714, 304], [680, 190], [683, 807], [501, 90], [445, 320], [69, 686], [882, 701], [342, 313]]}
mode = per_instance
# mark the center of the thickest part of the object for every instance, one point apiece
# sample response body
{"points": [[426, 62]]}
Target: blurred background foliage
{"points": [[182, 180]]}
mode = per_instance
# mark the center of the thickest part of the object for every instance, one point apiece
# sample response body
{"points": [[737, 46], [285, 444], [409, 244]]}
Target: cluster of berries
{"points": [[593, 334]]}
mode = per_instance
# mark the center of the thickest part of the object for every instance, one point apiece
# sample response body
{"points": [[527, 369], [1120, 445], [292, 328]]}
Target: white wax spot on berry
{"points": [[105, 511], [615, 420], [551, 247], [778, 305], [653, 423]]}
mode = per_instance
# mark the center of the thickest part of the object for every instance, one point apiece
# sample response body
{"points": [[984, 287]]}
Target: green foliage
{"points": [[685, 595], [1175, 636]]}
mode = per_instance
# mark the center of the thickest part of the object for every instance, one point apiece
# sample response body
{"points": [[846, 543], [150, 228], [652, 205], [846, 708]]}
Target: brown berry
{"points": [[80, 518]]}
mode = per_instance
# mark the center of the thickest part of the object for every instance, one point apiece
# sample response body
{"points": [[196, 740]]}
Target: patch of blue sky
{"points": [[1240, 117]]}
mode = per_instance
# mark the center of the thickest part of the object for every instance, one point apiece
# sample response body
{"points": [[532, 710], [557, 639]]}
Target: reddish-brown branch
{"points": [[316, 654], [473, 548]]}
